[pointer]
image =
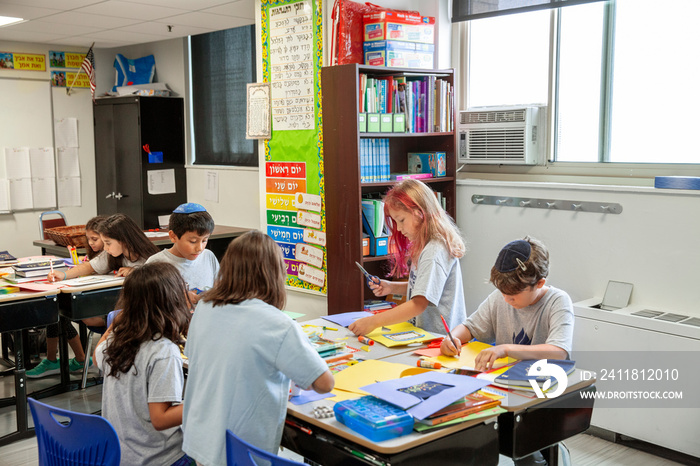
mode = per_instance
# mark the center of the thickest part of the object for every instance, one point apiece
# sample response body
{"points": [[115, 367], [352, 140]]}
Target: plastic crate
{"points": [[72, 235], [374, 418]]}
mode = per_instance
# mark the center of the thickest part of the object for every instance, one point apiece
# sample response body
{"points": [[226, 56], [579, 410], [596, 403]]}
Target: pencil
{"points": [[447, 329], [51, 265]]}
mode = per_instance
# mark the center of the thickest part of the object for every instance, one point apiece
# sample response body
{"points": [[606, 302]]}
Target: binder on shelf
{"points": [[362, 122], [373, 122], [386, 123], [399, 123], [378, 246]]}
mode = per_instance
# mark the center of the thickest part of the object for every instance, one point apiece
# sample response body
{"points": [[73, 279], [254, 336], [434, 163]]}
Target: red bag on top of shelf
{"points": [[348, 30]]}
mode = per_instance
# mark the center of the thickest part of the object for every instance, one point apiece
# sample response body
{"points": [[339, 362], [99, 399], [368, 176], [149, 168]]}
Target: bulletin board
{"points": [[293, 191], [26, 120]]}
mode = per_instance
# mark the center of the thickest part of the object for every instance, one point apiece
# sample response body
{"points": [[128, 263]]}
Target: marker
{"points": [[428, 364], [301, 428], [447, 329], [365, 340]]}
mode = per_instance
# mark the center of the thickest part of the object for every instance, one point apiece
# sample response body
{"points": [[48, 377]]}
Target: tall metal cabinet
{"points": [[129, 181]]}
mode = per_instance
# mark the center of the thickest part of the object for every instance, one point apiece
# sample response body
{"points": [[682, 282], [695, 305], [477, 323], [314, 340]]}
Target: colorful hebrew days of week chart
{"points": [[294, 182]]}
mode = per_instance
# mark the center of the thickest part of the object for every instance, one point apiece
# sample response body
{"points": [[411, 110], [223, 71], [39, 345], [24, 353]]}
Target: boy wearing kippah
{"points": [[190, 227], [525, 318]]}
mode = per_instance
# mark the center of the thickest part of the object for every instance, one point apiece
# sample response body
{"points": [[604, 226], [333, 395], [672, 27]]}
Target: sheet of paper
{"points": [[161, 181], [66, 132], [466, 358], [400, 334], [91, 280], [211, 191], [367, 372], [17, 165], [21, 194], [39, 286], [4, 195], [69, 192], [44, 193], [68, 162], [42, 162], [307, 396], [347, 318]]}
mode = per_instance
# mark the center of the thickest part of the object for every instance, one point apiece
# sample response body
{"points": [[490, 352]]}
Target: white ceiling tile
{"points": [[26, 12], [131, 10], [52, 4], [19, 36], [206, 20], [55, 28], [161, 29], [190, 5], [241, 9], [85, 42], [103, 22], [134, 37]]}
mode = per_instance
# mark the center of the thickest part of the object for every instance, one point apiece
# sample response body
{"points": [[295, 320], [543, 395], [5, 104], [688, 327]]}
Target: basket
{"points": [[73, 235]]}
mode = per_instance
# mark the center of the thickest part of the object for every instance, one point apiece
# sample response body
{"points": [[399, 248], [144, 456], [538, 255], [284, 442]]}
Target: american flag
{"points": [[88, 65]]}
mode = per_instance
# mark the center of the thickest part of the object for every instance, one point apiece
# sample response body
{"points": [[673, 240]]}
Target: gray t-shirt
{"points": [[438, 278], [155, 377], [550, 320], [257, 349], [100, 263], [199, 273]]}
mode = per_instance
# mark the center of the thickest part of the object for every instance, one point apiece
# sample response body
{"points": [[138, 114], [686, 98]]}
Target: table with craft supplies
{"points": [[20, 311], [312, 433], [533, 424], [218, 241]]}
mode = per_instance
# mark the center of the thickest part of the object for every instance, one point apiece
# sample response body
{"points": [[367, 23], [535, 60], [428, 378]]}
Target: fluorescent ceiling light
{"points": [[7, 20]]}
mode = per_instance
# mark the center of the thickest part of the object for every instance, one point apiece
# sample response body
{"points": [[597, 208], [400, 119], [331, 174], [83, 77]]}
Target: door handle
{"points": [[109, 195]]}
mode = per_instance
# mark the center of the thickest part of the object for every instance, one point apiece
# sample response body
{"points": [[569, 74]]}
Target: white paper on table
{"points": [[44, 192], [161, 181], [17, 164], [68, 162], [69, 192], [42, 162], [4, 195], [21, 194], [211, 192], [66, 132]]}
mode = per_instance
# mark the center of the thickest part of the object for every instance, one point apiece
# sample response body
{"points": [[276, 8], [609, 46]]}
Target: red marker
{"points": [[365, 340], [447, 329]]}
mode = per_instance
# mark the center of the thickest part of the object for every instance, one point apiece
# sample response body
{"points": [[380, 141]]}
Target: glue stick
{"points": [[428, 364], [365, 340]]}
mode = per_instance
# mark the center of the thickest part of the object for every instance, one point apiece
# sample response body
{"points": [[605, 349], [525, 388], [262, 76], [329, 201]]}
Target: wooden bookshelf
{"points": [[341, 141]]}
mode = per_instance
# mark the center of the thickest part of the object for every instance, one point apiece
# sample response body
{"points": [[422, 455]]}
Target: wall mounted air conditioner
{"points": [[502, 135]]}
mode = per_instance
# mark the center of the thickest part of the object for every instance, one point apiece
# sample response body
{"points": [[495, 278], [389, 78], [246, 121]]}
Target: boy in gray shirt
{"points": [[523, 317], [190, 227]]}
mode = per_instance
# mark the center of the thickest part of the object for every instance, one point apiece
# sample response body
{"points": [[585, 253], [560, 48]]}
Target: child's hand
{"points": [[194, 297], [362, 326], [448, 349], [123, 271], [381, 289], [55, 276], [486, 358]]}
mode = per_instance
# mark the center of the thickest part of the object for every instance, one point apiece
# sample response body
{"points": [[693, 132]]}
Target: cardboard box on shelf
{"points": [[391, 25], [399, 54]]}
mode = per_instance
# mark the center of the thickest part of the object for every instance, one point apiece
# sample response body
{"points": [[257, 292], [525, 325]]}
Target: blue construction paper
{"points": [[155, 157], [347, 318], [307, 396], [420, 409]]}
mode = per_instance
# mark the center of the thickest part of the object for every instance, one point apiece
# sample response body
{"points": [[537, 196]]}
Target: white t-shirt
{"points": [[100, 263], [199, 273]]}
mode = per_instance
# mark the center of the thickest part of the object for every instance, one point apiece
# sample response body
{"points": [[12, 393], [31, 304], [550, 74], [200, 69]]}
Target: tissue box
{"points": [[427, 162], [399, 54], [391, 25]]}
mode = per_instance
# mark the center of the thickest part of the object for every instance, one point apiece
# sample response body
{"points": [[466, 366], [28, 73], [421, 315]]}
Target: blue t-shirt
{"points": [[241, 359]]}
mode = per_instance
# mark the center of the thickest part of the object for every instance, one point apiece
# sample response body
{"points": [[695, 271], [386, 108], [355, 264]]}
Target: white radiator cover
{"points": [[597, 331]]}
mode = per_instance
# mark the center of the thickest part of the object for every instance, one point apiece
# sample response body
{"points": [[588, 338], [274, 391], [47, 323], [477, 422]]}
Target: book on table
{"points": [[472, 403], [38, 264], [517, 375], [38, 272]]}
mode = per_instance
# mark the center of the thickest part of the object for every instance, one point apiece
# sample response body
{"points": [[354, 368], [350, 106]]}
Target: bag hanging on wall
{"points": [[130, 72]]}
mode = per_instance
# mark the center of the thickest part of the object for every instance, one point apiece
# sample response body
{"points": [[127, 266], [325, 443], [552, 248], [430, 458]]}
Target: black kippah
{"points": [[513, 255]]}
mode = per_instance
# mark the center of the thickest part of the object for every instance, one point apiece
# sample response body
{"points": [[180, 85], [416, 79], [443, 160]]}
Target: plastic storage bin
{"points": [[374, 418]]}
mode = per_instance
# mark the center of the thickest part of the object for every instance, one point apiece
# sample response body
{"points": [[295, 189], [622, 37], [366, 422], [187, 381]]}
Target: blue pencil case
{"points": [[374, 418]]}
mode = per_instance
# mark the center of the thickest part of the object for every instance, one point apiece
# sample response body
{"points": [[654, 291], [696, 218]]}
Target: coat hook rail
{"points": [[551, 204]]}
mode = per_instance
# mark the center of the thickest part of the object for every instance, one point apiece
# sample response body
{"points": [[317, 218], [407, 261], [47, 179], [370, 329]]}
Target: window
{"points": [[221, 65], [624, 84]]}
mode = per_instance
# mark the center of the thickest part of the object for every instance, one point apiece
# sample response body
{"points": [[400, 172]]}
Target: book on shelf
{"points": [[469, 404], [42, 272], [410, 176]]}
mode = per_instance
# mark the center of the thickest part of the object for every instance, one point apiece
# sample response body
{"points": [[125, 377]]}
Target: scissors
{"points": [[370, 278]]}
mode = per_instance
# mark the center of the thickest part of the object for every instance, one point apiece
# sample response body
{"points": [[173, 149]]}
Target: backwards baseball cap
{"points": [[189, 208], [513, 256]]}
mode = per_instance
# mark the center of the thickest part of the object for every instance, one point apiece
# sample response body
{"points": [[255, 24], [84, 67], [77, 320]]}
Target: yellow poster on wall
{"points": [[23, 61]]}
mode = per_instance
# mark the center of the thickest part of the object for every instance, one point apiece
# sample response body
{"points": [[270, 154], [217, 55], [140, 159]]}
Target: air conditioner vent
{"points": [[502, 135]]}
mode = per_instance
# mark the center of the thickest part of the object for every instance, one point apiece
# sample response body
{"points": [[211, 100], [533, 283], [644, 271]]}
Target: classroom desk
{"points": [[18, 312], [327, 441], [218, 242], [535, 424]]}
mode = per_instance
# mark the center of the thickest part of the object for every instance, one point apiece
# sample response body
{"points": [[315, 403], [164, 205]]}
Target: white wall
{"points": [[17, 230]]}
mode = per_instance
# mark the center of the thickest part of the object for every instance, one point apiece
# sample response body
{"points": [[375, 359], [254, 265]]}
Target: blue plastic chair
{"points": [[240, 453], [86, 439]]}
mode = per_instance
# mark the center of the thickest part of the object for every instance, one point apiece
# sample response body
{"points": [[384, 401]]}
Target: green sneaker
{"points": [[75, 365], [44, 368]]}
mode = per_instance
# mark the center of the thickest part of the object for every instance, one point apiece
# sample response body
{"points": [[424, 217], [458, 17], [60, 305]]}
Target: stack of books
{"points": [[7, 259], [470, 404], [36, 270], [517, 378], [376, 306]]}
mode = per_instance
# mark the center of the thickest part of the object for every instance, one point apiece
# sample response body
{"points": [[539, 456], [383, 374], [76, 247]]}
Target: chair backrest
{"points": [[50, 222], [241, 453], [111, 316], [85, 439]]}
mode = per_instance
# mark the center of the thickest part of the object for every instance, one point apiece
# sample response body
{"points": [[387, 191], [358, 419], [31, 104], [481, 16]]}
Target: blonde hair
{"points": [[414, 196]]}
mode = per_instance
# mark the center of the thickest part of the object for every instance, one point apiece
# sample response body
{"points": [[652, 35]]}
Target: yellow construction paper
{"points": [[365, 373], [390, 335], [467, 357]]}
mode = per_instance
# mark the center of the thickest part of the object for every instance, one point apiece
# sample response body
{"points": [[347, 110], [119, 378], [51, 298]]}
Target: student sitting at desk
{"points": [[190, 227], [525, 318], [427, 240], [242, 353], [140, 357]]}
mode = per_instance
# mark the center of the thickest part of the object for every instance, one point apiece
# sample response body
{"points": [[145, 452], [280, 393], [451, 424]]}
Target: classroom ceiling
{"points": [[116, 23]]}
